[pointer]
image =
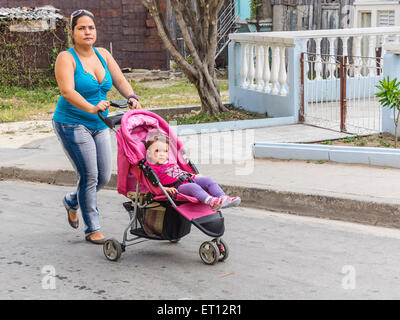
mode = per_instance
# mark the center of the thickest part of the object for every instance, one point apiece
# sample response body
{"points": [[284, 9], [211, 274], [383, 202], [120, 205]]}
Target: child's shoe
{"points": [[230, 202], [215, 203]]}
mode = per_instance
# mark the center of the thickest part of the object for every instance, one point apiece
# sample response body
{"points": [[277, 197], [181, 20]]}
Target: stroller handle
{"points": [[113, 121]]}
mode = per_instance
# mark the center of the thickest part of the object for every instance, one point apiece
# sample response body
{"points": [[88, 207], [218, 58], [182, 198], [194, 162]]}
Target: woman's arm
{"points": [[64, 71], [119, 80]]}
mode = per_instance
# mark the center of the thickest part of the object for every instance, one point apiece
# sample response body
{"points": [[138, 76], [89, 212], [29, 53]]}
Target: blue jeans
{"points": [[90, 154]]}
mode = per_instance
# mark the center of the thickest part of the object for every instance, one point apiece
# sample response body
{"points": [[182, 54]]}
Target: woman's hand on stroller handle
{"points": [[101, 106], [134, 104], [112, 121]]}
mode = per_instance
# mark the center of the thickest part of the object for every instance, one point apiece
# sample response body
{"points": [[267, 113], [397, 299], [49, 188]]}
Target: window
{"points": [[386, 18]]}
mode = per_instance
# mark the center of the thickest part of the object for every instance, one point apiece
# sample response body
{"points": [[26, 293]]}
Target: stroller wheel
{"points": [[112, 249], [209, 252], [223, 249]]}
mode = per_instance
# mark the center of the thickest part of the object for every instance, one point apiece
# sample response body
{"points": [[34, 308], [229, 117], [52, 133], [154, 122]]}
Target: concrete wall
{"points": [[259, 101]]}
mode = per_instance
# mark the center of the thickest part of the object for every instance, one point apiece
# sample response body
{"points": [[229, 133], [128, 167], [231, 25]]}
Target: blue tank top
{"points": [[88, 86]]}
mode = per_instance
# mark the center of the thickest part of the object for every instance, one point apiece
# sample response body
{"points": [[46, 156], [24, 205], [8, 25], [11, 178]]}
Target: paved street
{"points": [[273, 256]]}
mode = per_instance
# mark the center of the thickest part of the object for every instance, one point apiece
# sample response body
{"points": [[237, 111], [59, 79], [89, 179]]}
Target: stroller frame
{"points": [[210, 251]]}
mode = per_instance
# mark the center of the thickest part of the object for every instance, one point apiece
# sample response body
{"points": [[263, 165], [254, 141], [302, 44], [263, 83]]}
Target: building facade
{"points": [[369, 13], [124, 27], [297, 15]]}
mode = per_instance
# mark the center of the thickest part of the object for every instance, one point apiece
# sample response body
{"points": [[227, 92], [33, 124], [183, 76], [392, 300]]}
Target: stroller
{"points": [[155, 214]]}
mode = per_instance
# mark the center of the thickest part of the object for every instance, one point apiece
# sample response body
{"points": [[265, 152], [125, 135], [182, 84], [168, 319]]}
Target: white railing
{"points": [[264, 63]]}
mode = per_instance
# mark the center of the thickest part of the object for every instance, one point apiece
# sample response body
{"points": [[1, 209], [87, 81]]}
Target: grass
{"points": [[349, 139], [379, 140], [231, 115], [21, 104], [17, 104]]}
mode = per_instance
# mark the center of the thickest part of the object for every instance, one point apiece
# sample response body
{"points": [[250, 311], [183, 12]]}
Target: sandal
{"points": [[73, 224], [99, 241]]}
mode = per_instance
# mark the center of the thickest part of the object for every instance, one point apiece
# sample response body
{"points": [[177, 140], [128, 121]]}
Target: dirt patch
{"points": [[233, 114], [17, 134], [379, 140]]}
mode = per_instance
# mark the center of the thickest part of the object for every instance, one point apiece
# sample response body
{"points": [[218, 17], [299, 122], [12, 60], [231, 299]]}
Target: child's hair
{"points": [[155, 138]]}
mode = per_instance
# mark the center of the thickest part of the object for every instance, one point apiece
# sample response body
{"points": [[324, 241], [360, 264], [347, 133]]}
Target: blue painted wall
{"points": [[392, 70], [243, 9], [329, 90]]}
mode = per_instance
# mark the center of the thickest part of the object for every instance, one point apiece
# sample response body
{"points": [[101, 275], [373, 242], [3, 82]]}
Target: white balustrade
{"points": [[275, 70], [345, 51], [344, 46], [251, 66], [357, 56], [282, 72], [332, 61], [384, 40], [371, 62], [263, 63], [244, 70], [259, 67], [266, 70], [252, 71], [318, 59], [256, 72]]}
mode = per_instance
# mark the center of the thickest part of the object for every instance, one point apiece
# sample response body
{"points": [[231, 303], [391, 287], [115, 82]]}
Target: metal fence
{"points": [[338, 92]]}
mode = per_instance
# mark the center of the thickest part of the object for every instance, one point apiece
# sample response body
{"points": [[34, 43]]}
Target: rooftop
{"points": [[28, 13]]}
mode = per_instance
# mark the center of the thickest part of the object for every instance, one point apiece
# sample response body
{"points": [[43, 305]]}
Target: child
{"points": [[175, 180]]}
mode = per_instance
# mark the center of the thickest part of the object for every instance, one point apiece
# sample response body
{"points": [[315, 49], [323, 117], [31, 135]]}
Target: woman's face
{"points": [[84, 32], [158, 153]]}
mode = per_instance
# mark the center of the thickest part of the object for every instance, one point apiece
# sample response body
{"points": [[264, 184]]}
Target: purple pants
{"points": [[201, 189]]}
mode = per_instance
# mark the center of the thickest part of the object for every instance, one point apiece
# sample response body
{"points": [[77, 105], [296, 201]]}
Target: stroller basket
{"points": [[163, 223], [157, 220], [151, 220]]}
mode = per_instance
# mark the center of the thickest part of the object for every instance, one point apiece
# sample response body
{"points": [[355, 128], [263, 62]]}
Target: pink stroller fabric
{"points": [[135, 126]]}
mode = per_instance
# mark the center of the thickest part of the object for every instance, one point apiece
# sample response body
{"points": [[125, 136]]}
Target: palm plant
{"points": [[389, 94]]}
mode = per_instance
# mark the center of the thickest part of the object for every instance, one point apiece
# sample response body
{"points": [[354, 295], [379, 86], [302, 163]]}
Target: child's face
{"points": [[158, 152]]}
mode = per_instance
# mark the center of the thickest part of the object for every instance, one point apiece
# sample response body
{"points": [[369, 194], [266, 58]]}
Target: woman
{"points": [[84, 75]]}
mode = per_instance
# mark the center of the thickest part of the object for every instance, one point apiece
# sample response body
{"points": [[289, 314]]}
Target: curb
{"points": [[326, 207], [189, 129], [342, 154]]}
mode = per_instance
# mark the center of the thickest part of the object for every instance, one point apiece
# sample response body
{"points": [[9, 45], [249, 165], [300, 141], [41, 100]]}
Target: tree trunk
{"points": [[209, 96], [197, 21]]}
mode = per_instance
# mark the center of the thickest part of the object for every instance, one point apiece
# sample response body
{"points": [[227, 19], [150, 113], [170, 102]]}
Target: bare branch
{"points": [[191, 15], [185, 33], [154, 7], [197, 21]]}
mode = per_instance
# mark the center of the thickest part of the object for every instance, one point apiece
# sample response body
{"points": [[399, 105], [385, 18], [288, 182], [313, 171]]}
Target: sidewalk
{"points": [[356, 193]]}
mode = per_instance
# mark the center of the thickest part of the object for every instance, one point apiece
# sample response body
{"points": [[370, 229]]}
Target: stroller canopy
{"points": [[136, 125]]}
